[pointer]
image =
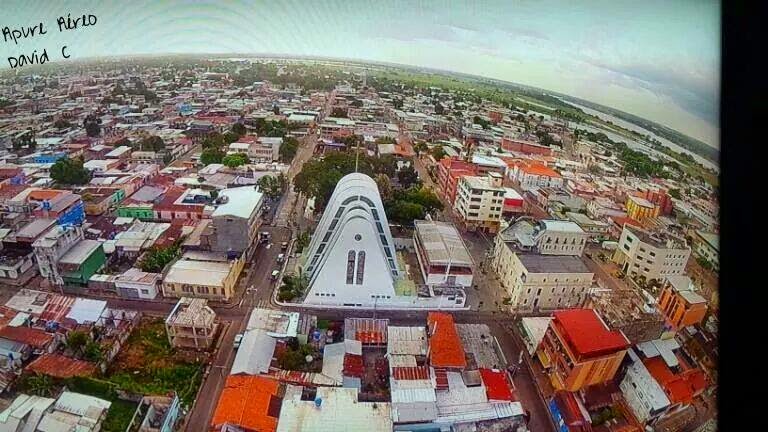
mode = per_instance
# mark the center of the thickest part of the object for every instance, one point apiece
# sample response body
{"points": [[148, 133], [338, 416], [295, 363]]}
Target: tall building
{"points": [[641, 253], [639, 208], [540, 265], [480, 202]]}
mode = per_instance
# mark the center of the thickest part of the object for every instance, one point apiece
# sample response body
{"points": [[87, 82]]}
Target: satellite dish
{"points": [[308, 358]]}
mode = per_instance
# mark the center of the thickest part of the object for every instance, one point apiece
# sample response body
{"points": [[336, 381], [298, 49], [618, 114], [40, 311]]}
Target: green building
{"points": [[137, 211], [81, 262]]}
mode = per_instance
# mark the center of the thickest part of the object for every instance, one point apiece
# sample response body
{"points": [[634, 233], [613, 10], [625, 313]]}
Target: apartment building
{"points": [[680, 302], [52, 246], [579, 350], [707, 246], [655, 256], [480, 202], [639, 208], [236, 219], [535, 176], [449, 171]]}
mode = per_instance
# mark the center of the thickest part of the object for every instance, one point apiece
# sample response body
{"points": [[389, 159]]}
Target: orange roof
{"points": [[250, 402], [60, 366], [540, 170], [445, 350], [27, 335], [679, 387]]}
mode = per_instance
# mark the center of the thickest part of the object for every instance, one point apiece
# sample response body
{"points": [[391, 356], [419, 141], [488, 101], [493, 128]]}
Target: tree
{"points": [[155, 260], [273, 186], [675, 193], [70, 172], [438, 152], [235, 160], [211, 156], [405, 212], [76, 341], [397, 103], [93, 352], [92, 125], [288, 149], [38, 384], [338, 112], [420, 147], [276, 110], [407, 176], [61, 124], [439, 110], [239, 129], [151, 143], [385, 186]]}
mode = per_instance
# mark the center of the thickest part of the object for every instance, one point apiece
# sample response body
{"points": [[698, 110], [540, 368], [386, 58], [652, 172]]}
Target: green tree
{"points": [[385, 186], [155, 260], [273, 186], [92, 125], [38, 384], [439, 110], [239, 129], [420, 147], [288, 149], [235, 160], [76, 341], [70, 172], [438, 152], [407, 176], [151, 143], [211, 156], [675, 193], [405, 212], [93, 352]]}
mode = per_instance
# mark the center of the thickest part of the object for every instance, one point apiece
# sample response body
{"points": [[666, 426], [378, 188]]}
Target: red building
{"points": [[449, 171], [527, 147], [659, 197]]}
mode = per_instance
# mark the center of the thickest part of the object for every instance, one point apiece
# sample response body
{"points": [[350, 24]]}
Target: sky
{"points": [[659, 60]]}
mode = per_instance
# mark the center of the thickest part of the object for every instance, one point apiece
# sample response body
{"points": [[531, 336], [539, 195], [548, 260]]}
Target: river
{"points": [[633, 127]]}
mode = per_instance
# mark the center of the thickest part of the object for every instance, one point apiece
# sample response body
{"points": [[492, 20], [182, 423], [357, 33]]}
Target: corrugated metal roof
{"points": [[60, 366], [366, 330], [255, 353]]}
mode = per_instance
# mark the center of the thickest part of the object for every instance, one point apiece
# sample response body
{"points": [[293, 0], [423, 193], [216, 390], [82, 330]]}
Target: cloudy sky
{"points": [[656, 59]]}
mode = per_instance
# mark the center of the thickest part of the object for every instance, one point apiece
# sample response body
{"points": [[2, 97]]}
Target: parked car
{"points": [[238, 340], [275, 274], [284, 245], [281, 258]]}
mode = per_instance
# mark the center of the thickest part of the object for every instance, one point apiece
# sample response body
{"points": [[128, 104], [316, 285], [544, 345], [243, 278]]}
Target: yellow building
{"points": [[203, 275], [640, 208]]}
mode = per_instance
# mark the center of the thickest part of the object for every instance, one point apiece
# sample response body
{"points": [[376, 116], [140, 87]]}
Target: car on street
{"points": [[275, 274], [281, 258], [238, 340], [284, 245]]}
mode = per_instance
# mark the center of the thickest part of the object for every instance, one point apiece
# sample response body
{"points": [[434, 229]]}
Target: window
{"points": [[360, 267], [203, 290], [187, 288], [350, 267], [145, 291]]}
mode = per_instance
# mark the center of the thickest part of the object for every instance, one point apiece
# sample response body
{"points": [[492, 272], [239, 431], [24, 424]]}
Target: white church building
{"points": [[351, 260]]}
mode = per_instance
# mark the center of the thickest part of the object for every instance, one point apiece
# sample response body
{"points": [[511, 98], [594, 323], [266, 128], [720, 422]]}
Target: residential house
{"points": [[204, 275]]}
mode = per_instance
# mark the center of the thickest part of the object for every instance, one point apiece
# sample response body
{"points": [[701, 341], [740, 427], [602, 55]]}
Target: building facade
{"points": [[579, 350], [480, 202], [641, 253]]}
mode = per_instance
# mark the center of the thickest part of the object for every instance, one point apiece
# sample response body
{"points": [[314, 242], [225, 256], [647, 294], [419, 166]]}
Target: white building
{"points": [[352, 262], [642, 392], [707, 246], [480, 201], [443, 257], [351, 258], [134, 283], [653, 256], [545, 237], [333, 409]]}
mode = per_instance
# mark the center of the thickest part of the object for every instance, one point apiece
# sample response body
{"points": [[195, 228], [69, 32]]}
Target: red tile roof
{"points": [[410, 373], [30, 336], [445, 350], [250, 402], [497, 386], [60, 366], [587, 335], [680, 387]]}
